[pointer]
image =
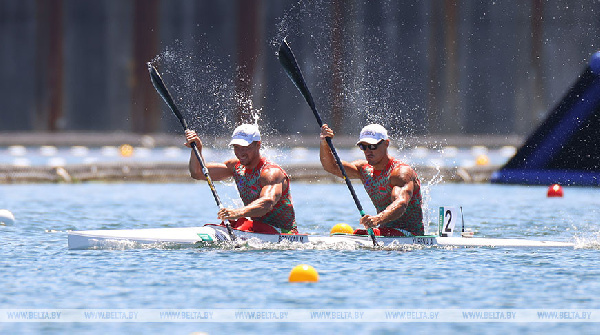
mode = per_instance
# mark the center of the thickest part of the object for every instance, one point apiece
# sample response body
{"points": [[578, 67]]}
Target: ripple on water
{"points": [[38, 271]]}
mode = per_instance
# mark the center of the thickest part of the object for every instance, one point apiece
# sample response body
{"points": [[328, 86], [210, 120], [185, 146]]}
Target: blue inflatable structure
{"points": [[565, 148]]}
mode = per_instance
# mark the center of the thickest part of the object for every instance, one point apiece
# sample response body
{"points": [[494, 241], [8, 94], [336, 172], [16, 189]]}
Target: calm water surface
{"points": [[38, 271]]}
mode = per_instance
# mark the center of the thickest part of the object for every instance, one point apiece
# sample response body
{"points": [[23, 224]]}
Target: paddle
{"points": [[288, 61], [160, 87]]}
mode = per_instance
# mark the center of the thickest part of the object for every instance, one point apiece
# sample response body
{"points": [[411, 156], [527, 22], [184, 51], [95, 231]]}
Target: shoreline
{"points": [[157, 172], [67, 139], [140, 172]]}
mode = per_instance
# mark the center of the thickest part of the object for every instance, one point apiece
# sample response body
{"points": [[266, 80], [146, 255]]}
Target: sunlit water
{"points": [[38, 271]]}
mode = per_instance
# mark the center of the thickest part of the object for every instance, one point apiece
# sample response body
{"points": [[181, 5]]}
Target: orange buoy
{"points": [[126, 150], [555, 191], [303, 274], [482, 160]]}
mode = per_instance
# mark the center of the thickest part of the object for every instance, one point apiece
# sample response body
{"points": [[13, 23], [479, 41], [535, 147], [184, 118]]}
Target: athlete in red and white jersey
{"points": [[263, 185], [393, 186]]}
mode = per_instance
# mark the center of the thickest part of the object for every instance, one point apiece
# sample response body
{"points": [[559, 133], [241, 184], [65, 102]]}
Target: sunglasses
{"points": [[364, 147]]}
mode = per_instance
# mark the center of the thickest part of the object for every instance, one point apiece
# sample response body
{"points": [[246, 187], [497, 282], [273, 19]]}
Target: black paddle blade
{"points": [[288, 61], [160, 87]]}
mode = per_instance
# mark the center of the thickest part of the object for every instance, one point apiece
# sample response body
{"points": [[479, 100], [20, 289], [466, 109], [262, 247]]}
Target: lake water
{"points": [[39, 272]]}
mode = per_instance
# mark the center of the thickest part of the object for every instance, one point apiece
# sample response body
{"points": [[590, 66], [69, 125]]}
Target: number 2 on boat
{"points": [[447, 221]]}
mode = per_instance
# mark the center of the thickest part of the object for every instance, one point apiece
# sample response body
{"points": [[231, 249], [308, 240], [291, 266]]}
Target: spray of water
{"points": [[352, 61], [345, 62], [195, 77], [348, 64]]}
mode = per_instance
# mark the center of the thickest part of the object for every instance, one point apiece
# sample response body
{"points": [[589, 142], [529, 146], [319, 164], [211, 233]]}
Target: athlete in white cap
{"points": [[263, 185], [393, 186]]}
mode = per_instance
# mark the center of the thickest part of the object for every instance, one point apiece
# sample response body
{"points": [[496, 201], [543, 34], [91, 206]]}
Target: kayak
{"points": [[208, 234], [211, 234]]}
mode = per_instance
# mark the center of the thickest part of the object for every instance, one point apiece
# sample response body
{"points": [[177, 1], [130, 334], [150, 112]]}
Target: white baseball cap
{"points": [[245, 134], [372, 134]]}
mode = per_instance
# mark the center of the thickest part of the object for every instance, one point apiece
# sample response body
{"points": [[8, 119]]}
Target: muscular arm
{"points": [[217, 171], [403, 181], [272, 180], [328, 160]]}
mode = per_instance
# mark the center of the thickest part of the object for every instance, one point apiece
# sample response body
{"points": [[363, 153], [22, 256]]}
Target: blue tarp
{"points": [[565, 148]]}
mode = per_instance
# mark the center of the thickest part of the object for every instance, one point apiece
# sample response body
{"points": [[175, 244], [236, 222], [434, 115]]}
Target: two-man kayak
{"points": [[210, 234]]}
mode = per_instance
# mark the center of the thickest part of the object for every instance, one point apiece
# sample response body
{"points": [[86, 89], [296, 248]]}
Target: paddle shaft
{"points": [[288, 61], [162, 90]]}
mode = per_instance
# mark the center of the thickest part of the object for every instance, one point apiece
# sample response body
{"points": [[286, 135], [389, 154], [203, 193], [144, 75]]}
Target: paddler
{"points": [[392, 185], [263, 185]]}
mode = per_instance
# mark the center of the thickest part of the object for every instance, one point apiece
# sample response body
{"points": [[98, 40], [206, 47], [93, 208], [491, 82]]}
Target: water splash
{"points": [[350, 61], [254, 245], [588, 241], [204, 92]]}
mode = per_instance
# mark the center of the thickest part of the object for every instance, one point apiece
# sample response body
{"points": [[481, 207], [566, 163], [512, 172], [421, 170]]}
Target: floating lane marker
{"points": [[436, 162], [79, 151], [172, 152], [148, 141], [508, 151], [6, 217], [17, 150], [109, 151], [21, 162], [450, 152], [479, 150], [56, 162], [48, 150], [143, 152], [299, 153], [420, 152]]}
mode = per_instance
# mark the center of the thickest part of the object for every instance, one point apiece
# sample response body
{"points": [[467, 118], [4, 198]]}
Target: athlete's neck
{"points": [[382, 163], [254, 163]]}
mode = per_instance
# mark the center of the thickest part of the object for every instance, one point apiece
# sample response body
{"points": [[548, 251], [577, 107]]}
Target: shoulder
{"points": [[272, 173], [403, 173], [359, 164], [231, 163]]}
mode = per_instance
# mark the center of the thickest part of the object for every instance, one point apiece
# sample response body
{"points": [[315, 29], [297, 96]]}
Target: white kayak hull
{"points": [[100, 239]]}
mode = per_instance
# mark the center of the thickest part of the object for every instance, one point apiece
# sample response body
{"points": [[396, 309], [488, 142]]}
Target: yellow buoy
{"points": [[341, 228], [303, 274], [482, 160], [126, 150]]}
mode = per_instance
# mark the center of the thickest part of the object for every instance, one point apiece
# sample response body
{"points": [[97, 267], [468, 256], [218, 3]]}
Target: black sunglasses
{"points": [[364, 147]]}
